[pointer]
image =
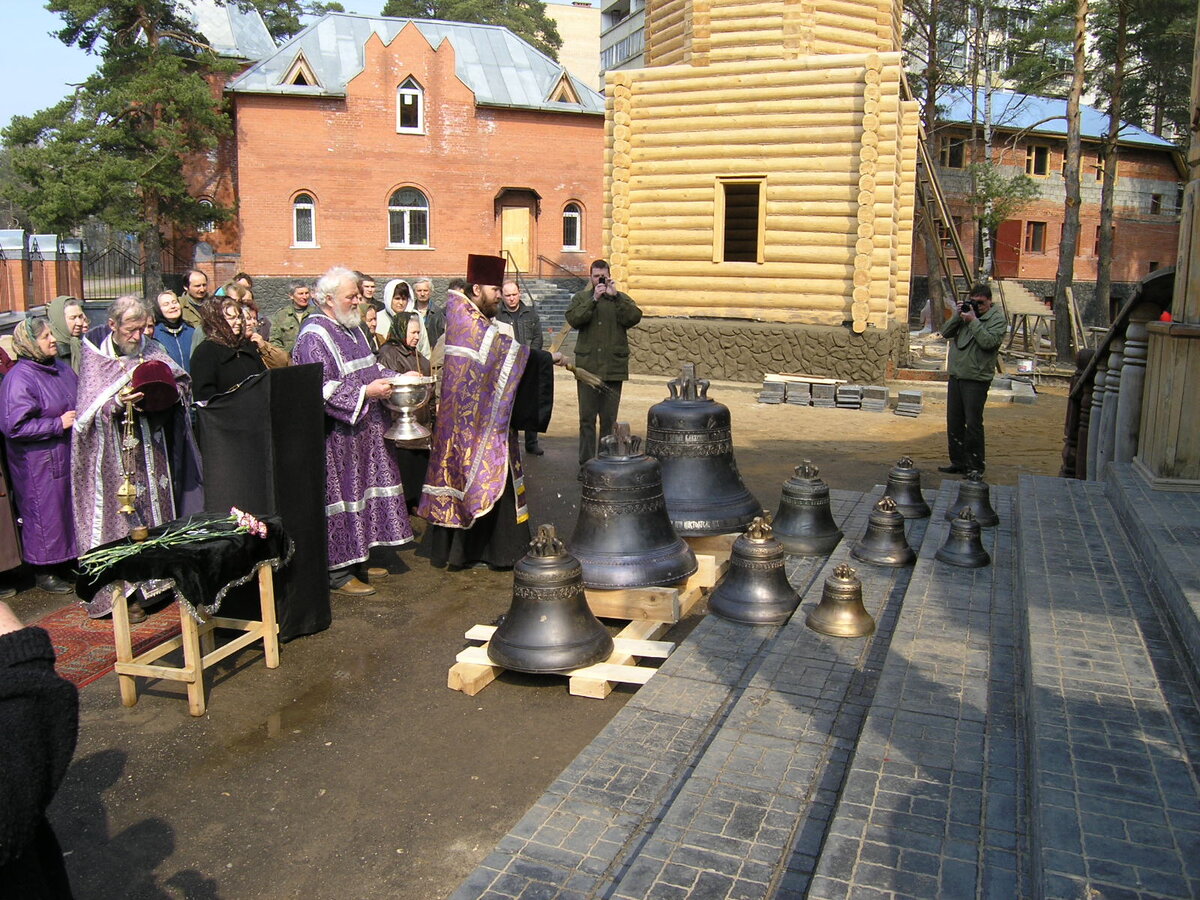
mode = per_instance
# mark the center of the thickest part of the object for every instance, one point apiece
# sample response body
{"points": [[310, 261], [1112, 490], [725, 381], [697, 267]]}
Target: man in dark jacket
{"points": [[974, 332], [602, 315], [39, 720], [527, 329]]}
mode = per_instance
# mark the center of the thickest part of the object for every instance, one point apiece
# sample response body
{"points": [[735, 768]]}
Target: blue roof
{"points": [[499, 67], [1039, 115]]}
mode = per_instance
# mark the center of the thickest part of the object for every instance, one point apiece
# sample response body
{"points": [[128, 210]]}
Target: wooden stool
{"points": [[193, 635]]}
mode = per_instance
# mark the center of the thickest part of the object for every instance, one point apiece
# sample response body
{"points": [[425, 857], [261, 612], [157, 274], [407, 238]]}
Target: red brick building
{"points": [[399, 146], [1030, 137]]}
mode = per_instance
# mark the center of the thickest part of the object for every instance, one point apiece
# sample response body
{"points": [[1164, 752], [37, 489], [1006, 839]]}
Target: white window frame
{"points": [[310, 205], [410, 87], [208, 226], [406, 218], [573, 210]]}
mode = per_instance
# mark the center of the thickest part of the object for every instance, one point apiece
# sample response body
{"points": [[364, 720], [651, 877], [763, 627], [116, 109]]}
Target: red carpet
{"points": [[85, 646]]}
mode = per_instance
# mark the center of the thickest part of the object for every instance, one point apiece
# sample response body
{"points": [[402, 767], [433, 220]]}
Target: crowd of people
{"points": [[65, 401]]}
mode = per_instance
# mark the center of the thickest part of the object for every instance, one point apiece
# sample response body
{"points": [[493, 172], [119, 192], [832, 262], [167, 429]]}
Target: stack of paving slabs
{"points": [[824, 395], [908, 403], [799, 393], [874, 398], [772, 392], [849, 396]]}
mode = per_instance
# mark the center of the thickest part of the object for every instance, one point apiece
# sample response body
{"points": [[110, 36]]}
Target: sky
{"points": [[38, 69]]}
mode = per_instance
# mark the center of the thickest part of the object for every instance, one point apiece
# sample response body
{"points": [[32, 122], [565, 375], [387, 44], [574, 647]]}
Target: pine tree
{"points": [[525, 18]]}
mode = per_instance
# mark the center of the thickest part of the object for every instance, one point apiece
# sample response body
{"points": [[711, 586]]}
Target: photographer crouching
{"points": [[974, 332]]}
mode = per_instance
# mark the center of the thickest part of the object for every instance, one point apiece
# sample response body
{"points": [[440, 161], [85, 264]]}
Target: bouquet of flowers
{"points": [[96, 561]]}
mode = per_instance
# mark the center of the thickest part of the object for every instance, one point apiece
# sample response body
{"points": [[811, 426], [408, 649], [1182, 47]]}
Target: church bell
{"points": [[884, 543], [755, 590], [548, 627], [964, 546], [904, 486], [689, 434], [804, 523], [841, 612], [623, 537], [973, 493]]}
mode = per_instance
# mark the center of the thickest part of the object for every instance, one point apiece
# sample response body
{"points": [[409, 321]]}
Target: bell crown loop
{"points": [[845, 572], [965, 515], [687, 386], [886, 504], [546, 543], [621, 444], [974, 475], [760, 529], [904, 462], [806, 469]]}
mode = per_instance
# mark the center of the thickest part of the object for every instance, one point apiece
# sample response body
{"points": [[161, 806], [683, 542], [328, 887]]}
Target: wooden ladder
{"points": [[938, 219]]}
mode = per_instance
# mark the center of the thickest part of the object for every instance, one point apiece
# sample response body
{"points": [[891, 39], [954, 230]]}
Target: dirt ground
{"points": [[352, 771]]}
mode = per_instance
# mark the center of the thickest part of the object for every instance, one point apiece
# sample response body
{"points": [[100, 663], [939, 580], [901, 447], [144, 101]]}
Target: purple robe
{"points": [[33, 398], [364, 496], [164, 491], [473, 453]]}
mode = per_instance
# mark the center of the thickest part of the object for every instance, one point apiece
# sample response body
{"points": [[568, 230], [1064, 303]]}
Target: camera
{"points": [[969, 305], [604, 280]]}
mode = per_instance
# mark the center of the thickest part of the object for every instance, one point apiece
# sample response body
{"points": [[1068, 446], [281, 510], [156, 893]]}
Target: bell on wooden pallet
{"points": [[973, 493], [548, 627], [804, 523], [690, 435], [963, 546], [904, 486], [841, 612], [755, 590], [623, 537], [884, 543]]}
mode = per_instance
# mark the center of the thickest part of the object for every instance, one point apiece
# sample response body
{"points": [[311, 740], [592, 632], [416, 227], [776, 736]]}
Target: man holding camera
{"points": [[601, 314], [974, 332]]}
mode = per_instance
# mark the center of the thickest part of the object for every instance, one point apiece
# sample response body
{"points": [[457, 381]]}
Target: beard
{"points": [[127, 348], [351, 319]]}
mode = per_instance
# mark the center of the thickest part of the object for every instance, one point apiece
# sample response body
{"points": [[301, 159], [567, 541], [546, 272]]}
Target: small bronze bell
{"points": [[973, 493], [884, 543], [904, 486], [623, 537], [841, 612], [755, 590], [963, 545], [548, 627], [804, 523]]}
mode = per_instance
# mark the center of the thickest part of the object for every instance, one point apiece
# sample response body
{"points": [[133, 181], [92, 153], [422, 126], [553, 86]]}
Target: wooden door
{"points": [[516, 235]]}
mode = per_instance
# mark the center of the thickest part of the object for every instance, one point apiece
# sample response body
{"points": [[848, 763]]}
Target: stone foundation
{"points": [[740, 350]]}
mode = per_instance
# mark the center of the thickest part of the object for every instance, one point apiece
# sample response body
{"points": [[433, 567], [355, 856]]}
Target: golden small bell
{"points": [[841, 612]]}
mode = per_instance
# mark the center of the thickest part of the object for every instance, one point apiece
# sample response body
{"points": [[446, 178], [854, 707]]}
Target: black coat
{"points": [[526, 324], [217, 368]]}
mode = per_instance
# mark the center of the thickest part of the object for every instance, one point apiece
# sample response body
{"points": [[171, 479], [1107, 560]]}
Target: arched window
{"points": [[410, 107], [208, 225], [304, 221], [573, 227], [408, 219]]}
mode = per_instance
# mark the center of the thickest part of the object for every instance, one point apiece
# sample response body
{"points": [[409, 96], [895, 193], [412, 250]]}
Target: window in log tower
{"points": [[740, 220]]}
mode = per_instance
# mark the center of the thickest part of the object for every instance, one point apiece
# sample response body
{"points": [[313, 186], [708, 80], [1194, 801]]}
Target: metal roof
{"points": [[1013, 111], [230, 31], [499, 67]]}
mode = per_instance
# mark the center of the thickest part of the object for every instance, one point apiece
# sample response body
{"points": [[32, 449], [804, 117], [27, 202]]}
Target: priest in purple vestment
{"points": [[474, 494], [364, 496], [164, 458]]}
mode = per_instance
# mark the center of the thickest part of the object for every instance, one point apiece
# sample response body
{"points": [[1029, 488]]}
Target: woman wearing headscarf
{"points": [[396, 297], [37, 410], [172, 330], [224, 359], [68, 323], [400, 355]]}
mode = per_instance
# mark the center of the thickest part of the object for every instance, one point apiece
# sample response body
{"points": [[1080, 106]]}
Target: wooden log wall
{"points": [[837, 151]]}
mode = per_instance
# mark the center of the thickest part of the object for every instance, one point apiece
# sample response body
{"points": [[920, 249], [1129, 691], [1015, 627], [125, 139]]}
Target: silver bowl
{"points": [[408, 397]]}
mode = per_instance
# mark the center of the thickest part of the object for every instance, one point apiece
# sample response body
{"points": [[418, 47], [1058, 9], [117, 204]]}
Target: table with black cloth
{"points": [[203, 571]]}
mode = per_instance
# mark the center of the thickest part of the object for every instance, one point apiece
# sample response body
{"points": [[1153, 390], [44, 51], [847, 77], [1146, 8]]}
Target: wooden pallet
{"points": [[651, 613]]}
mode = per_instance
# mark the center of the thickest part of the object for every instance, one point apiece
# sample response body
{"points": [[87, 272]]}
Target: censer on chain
{"points": [[127, 492]]}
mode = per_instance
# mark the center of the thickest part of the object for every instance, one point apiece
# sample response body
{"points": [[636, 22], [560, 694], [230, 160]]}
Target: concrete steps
{"points": [[551, 298]]}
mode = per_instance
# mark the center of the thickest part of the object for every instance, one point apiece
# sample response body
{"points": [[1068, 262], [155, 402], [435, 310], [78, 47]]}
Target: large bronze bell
{"points": [[884, 543], [755, 590], [973, 493], [804, 523], [904, 486], [841, 612], [964, 546], [548, 627], [623, 537], [690, 435]]}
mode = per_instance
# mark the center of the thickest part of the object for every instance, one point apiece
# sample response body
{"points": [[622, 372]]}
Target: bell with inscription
{"points": [[841, 612], [884, 543], [689, 434], [623, 537], [804, 523], [964, 544], [755, 590], [548, 627], [904, 486], [973, 493]]}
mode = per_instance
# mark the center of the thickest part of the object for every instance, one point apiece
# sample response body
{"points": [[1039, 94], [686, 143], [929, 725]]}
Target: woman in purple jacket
{"points": [[37, 410]]}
